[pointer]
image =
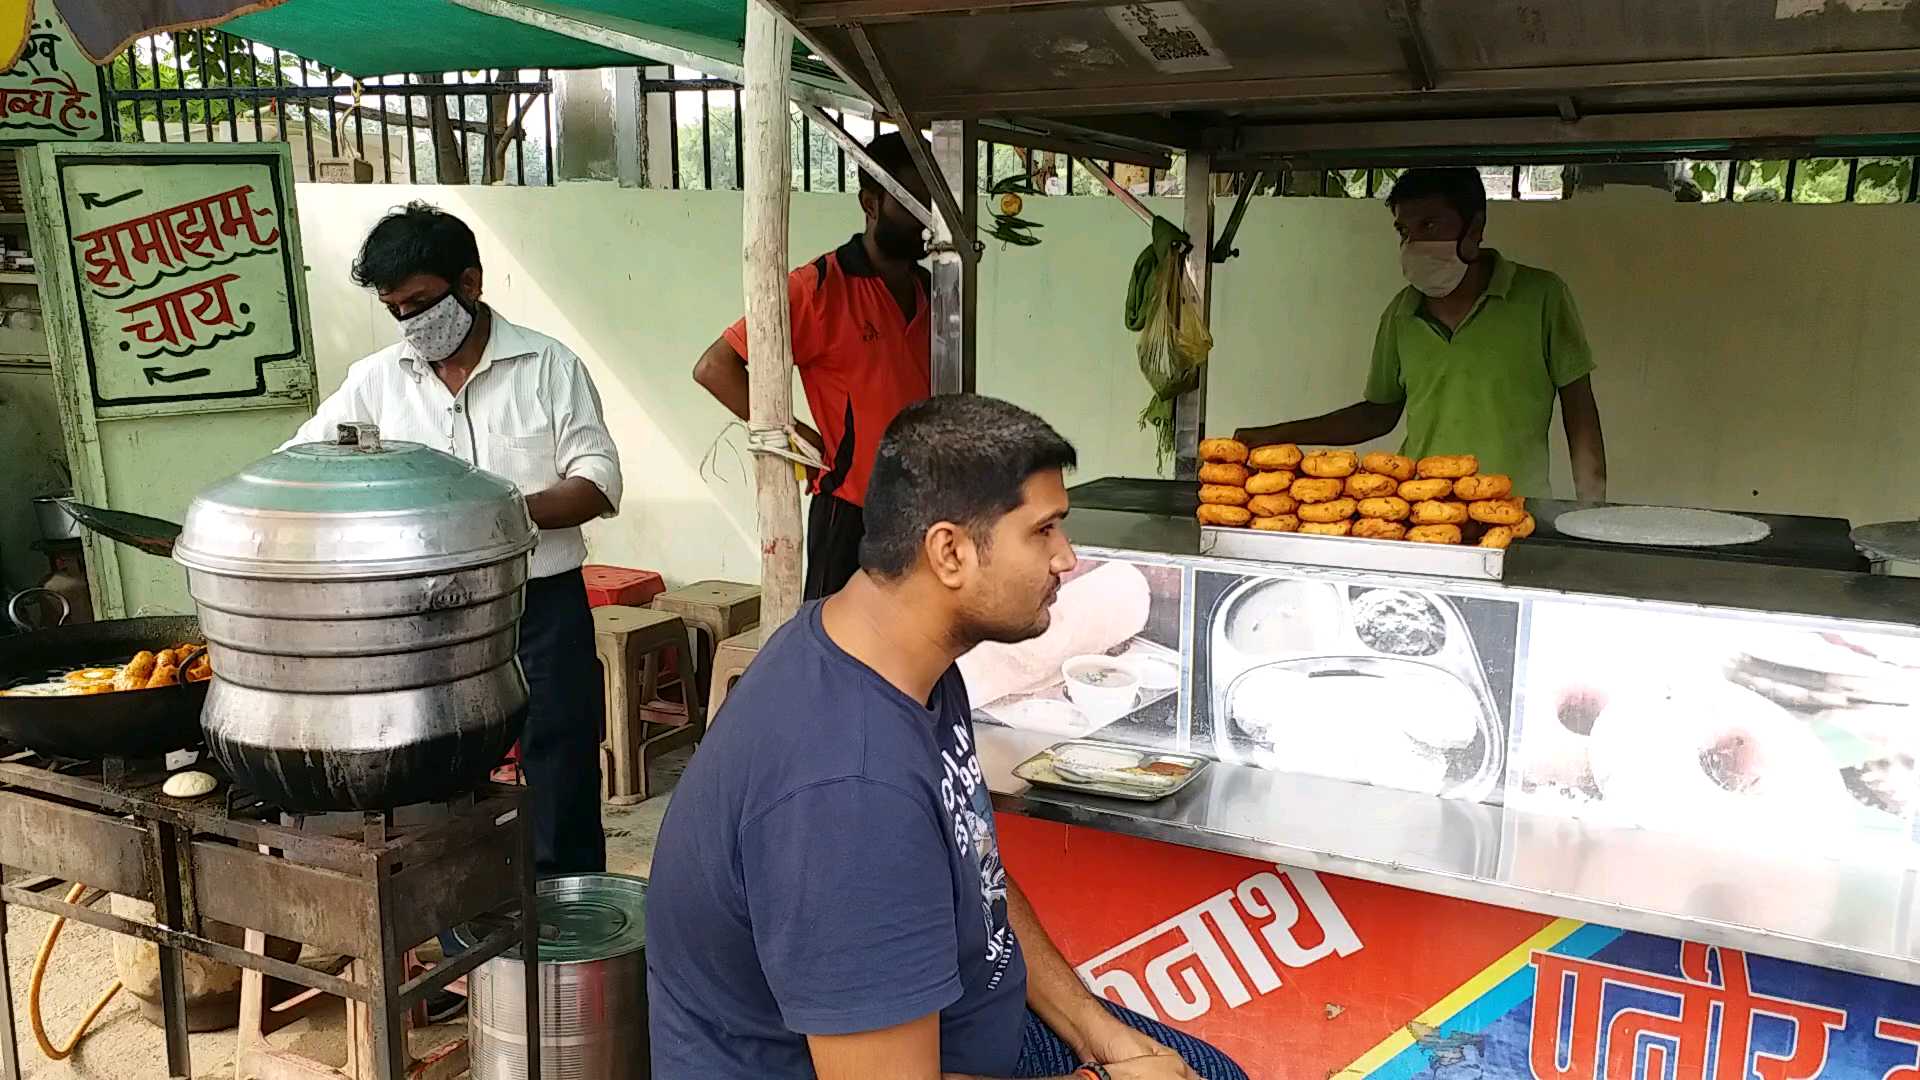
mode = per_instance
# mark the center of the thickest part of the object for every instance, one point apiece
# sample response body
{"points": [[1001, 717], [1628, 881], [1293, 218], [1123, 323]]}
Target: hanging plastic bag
{"points": [[1173, 345]]}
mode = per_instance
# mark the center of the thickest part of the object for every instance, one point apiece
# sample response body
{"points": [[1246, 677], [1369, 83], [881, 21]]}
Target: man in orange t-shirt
{"points": [[862, 340]]}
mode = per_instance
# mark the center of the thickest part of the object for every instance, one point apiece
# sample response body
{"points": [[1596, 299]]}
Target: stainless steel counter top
{"points": [[1540, 568], [1797, 905]]}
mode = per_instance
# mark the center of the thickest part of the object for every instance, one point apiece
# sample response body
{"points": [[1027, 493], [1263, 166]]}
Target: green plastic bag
{"points": [[1173, 344]]}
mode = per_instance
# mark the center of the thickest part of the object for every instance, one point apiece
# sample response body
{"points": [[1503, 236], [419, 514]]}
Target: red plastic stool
{"points": [[630, 588], [621, 585]]}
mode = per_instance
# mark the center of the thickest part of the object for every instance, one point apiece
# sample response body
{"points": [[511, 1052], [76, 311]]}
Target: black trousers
{"points": [[566, 712], [834, 530]]}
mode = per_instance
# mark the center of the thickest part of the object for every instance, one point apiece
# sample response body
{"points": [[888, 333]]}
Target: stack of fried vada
{"points": [[1442, 499]]}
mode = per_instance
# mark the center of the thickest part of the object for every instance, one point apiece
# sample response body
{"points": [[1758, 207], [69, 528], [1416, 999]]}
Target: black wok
{"points": [[127, 723]]}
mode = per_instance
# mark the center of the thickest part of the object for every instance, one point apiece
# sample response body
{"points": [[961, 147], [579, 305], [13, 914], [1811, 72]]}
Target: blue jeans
{"points": [[1042, 1053]]}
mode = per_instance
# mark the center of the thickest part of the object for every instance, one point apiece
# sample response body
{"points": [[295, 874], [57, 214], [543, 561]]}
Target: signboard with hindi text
{"points": [[187, 283], [53, 93], [1295, 973], [174, 295]]}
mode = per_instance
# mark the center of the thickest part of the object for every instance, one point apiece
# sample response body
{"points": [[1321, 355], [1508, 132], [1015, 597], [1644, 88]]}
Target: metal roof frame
{"points": [[1403, 80]]}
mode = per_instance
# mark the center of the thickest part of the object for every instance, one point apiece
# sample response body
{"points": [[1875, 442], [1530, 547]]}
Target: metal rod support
{"points": [[658, 45], [858, 153], [1223, 248], [916, 147]]}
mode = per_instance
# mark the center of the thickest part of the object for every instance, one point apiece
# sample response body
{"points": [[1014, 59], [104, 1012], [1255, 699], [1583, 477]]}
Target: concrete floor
{"points": [[122, 1045]]}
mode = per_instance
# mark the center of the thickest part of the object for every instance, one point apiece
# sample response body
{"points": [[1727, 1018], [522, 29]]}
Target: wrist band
{"points": [[1092, 1071]]}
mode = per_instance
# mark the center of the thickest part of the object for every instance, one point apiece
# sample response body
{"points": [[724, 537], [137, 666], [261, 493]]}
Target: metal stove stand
{"points": [[370, 896]]}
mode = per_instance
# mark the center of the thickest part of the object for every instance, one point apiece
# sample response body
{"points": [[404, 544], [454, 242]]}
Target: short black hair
{"points": [[890, 152], [419, 238], [1459, 186], [961, 458]]}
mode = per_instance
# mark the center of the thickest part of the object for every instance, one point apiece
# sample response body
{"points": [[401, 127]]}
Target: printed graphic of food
{"points": [[1381, 686], [1703, 749], [1094, 612], [1442, 499]]}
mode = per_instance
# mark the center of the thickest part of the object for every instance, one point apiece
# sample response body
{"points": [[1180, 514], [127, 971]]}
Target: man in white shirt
{"points": [[517, 403]]}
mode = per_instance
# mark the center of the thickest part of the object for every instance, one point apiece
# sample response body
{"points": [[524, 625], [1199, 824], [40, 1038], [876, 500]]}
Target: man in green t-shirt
{"points": [[1474, 351]]}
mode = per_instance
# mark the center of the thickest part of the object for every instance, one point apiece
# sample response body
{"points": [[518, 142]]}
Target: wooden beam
{"points": [[769, 187]]}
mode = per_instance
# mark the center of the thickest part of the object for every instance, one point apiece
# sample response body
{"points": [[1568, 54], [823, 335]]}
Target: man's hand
{"points": [[570, 503], [1109, 1040], [1166, 1066]]}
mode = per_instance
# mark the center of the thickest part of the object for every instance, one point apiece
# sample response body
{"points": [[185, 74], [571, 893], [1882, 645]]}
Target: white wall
{"points": [[1751, 356]]}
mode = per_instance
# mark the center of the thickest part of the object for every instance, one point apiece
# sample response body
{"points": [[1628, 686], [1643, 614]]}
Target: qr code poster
{"points": [[1169, 36]]}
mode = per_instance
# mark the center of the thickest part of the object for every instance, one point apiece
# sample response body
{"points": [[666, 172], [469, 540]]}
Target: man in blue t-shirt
{"points": [[827, 897]]}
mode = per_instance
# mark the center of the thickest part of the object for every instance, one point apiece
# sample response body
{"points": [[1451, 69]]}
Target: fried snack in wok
{"points": [[200, 670], [94, 675], [1500, 536], [1272, 505], [1223, 451], [1525, 528], [85, 689], [1279, 456], [1338, 464], [1223, 473], [1327, 528], [1447, 466], [1398, 466], [1366, 485], [1269, 483], [1213, 514], [1385, 508], [167, 674], [1278, 523], [1497, 511], [1434, 534], [1311, 490], [1436, 512], [1379, 529], [136, 673], [1425, 490], [1476, 488], [1223, 495], [1322, 513]]}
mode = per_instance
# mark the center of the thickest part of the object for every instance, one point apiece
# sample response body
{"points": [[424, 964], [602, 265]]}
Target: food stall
{"points": [[1574, 809]]}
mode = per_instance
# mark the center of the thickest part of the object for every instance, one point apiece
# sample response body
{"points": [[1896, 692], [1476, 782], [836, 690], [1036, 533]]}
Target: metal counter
{"points": [[1817, 543], [1801, 906], [1588, 570]]}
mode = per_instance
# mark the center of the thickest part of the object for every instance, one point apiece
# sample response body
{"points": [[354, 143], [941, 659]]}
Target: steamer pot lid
{"points": [[585, 917], [356, 507]]}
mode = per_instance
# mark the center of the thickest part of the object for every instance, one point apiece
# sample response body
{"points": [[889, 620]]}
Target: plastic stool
{"points": [[621, 585], [714, 611], [730, 661], [632, 642]]}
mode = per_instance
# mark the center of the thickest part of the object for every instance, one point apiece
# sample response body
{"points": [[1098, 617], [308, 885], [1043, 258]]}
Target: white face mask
{"points": [[437, 331], [1432, 266]]}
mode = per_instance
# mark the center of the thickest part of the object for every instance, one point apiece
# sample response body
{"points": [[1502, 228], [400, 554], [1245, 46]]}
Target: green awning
{"points": [[393, 37]]}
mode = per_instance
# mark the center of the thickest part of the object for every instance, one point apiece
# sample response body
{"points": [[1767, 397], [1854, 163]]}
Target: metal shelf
{"points": [[19, 277]]}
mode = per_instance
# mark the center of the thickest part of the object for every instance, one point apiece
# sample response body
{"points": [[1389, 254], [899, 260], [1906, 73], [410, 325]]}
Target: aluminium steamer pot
{"points": [[361, 601]]}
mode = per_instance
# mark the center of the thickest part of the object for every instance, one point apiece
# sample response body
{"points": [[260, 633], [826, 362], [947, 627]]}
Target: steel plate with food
{"points": [[1110, 769]]}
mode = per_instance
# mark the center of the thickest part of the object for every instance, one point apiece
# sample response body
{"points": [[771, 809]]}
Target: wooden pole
{"points": [[769, 52]]}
